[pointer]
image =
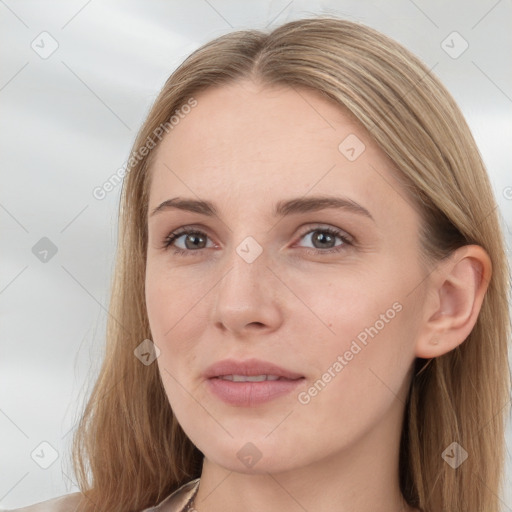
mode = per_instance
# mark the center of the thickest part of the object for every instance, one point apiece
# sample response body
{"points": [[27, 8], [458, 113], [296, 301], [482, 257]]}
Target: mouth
{"points": [[251, 382], [250, 378]]}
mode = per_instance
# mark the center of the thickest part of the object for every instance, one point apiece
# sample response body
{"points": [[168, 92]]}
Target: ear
{"points": [[455, 293]]}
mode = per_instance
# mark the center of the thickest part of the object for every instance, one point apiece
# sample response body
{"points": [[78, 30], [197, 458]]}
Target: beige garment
{"points": [[175, 502]]}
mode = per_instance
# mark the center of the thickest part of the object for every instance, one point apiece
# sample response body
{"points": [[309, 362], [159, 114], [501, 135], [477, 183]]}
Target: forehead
{"points": [[258, 144], [244, 120]]}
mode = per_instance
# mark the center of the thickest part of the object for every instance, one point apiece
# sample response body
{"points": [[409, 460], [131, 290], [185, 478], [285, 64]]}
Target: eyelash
{"points": [[328, 230]]}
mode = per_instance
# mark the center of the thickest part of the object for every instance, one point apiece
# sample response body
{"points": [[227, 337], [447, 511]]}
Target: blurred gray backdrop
{"points": [[76, 81]]}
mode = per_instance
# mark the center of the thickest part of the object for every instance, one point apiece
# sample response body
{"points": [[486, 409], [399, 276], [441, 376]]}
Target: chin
{"points": [[256, 457], [263, 466]]}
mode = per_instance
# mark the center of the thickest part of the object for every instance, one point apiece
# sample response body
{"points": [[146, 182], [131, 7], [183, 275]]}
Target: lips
{"points": [[251, 382], [249, 367]]}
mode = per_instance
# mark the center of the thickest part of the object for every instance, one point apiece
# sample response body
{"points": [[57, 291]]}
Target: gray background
{"points": [[68, 122]]}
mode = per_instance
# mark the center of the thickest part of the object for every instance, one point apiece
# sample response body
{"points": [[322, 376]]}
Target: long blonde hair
{"points": [[129, 452]]}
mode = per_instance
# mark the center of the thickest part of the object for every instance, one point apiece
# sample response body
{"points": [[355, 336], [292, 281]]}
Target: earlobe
{"points": [[455, 296]]}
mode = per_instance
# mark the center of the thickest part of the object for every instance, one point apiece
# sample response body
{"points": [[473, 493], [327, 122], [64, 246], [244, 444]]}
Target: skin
{"points": [[245, 147]]}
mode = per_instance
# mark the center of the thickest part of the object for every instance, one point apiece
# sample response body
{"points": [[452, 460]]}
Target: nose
{"points": [[247, 297]]}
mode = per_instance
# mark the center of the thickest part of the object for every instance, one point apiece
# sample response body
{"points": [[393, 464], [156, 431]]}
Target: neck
{"points": [[362, 477]]}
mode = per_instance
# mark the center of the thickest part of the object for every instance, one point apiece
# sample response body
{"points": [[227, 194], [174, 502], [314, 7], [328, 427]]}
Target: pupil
{"points": [[193, 239], [323, 237]]}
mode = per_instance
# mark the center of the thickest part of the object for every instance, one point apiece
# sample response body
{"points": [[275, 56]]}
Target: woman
{"points": [[309, 309]]}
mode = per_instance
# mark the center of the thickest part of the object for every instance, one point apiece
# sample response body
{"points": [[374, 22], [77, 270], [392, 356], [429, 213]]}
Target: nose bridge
{"points": [[246, 294], [247, 273]]}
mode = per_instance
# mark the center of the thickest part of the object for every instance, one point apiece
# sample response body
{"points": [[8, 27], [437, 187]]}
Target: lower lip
{"points": [[247, 394]]}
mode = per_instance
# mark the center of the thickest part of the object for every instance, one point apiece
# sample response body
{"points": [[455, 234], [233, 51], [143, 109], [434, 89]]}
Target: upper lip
{"points": [[248, 367]]}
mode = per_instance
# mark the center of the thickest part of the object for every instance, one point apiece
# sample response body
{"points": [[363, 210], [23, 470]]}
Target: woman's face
{"points": [[273, 270]]}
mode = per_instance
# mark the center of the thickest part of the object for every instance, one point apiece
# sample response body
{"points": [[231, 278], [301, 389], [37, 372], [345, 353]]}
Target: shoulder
{"points": [[66, 503], [177, 501], [173, 503]]}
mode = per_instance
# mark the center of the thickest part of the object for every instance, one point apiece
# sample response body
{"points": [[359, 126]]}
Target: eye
{"points": [[323, 239], [192, 240]]}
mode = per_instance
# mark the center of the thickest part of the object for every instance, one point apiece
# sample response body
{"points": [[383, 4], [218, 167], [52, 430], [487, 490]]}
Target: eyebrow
{"points": [[281, 209]]}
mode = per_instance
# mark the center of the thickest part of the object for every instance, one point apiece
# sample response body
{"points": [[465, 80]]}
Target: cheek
{"points": [[175, 307], [341, 305], [360, 374], [171, 301], [359, 327]]}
